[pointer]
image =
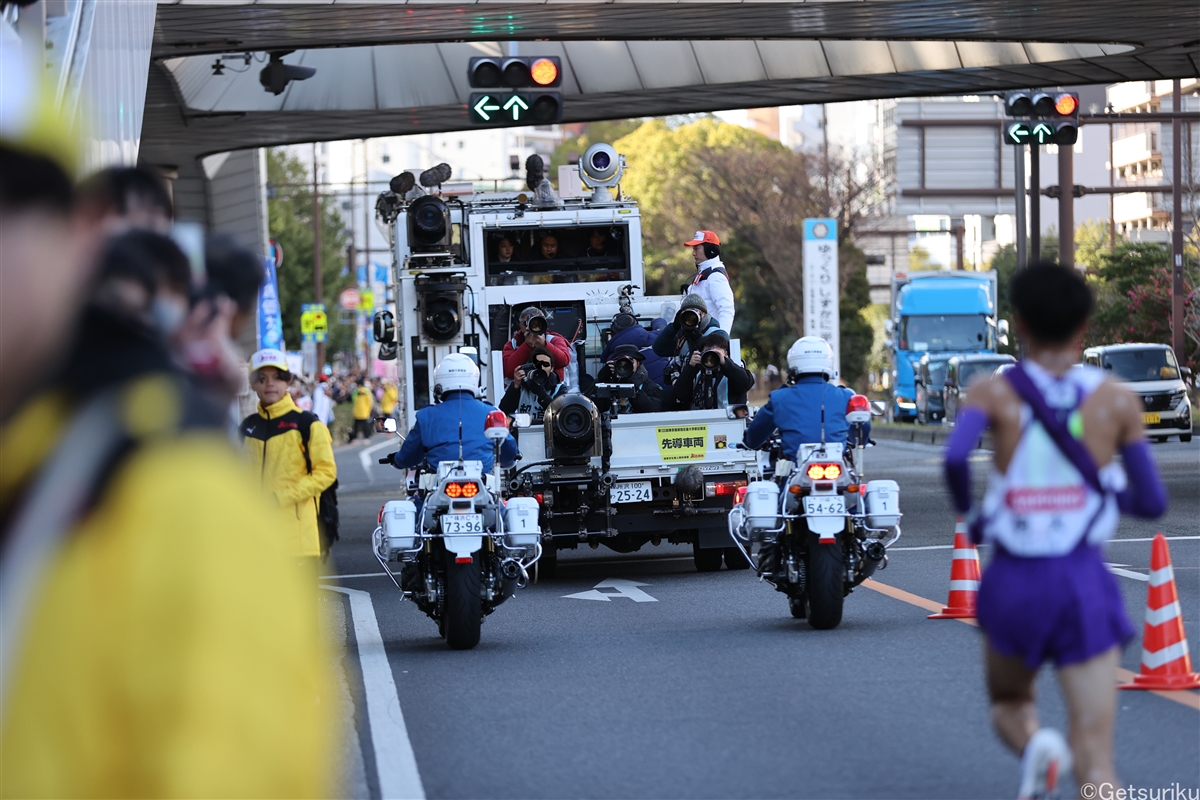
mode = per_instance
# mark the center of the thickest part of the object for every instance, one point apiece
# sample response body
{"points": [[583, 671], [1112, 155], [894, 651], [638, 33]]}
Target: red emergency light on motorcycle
{"points": [[858, 410], [495, 427]]}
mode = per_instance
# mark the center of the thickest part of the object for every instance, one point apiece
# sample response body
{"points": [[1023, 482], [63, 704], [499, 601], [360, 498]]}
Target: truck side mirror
{"points": [[1002, 331], [889, 326]]}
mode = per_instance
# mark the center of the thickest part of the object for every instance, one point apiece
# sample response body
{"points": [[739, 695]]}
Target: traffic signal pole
{"points": [[1177, 287], [1035, 203], [1066, 205], [1019, 189]]}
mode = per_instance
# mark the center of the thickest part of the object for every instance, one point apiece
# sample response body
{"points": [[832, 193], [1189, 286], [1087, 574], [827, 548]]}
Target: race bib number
{"points": [[682, 442]]}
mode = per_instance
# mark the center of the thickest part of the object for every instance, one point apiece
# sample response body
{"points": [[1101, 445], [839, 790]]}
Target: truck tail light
{"points": [[722, 488]]}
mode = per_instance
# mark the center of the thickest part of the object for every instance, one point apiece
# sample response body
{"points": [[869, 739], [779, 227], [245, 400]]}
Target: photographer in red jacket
{"points": [[533, 331]]}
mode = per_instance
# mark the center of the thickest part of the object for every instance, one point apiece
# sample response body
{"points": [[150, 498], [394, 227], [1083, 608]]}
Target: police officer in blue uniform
{"points": [[436, 434], [811, 405]]}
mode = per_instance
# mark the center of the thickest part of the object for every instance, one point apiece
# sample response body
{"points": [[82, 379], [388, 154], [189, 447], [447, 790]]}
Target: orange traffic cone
{"points": [[964, 578], [1165, 660]]}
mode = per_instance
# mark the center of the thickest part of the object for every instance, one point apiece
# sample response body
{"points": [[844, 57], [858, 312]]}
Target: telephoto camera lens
{"points": [[711, 359], [574, 422], [536, 324], [624, 367], [690, 318]]}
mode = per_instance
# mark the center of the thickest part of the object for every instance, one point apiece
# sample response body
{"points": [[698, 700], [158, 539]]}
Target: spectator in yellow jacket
{"points": [[387, 404], [291, 449], [363, 404], [156, 642]]}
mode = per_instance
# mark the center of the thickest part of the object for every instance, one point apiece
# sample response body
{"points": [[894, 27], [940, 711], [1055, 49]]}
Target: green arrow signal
{"points": [[482, 107], [1018, 133], [1043, 132], [515, 106]]}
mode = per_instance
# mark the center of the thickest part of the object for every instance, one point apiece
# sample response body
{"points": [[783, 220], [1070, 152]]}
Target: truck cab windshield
{"points": [[542, 255], [945, 332]]}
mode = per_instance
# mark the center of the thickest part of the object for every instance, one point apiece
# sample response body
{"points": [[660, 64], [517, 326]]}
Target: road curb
{"points": [[918, 434]]}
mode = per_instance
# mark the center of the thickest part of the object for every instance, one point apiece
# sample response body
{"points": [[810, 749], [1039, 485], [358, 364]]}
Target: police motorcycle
{"points": [[463, 551], [818, 528]]}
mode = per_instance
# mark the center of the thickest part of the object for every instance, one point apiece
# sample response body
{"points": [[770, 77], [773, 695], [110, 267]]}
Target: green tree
{"points": [[855, 330], [290, 222], [919, 260], [756, 193]]}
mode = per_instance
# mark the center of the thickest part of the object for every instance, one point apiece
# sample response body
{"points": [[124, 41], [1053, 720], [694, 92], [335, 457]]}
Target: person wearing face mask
{"points": [[134, 539], [534, 387]]}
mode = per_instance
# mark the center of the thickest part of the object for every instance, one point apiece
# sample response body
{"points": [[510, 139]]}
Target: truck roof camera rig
{"points": [[440, 308], [602, 168]]}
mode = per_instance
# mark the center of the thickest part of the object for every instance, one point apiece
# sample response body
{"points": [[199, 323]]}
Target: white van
{"points": [[1151, 372]]}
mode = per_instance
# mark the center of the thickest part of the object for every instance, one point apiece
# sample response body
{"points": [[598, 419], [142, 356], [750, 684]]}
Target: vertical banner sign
{"points": [[270, 323], [821, 284]]}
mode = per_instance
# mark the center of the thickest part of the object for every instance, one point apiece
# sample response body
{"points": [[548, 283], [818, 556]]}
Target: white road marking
{"points": [[365, 459], [1125, 573], [395, 763], [1151, 539], [928, 547], [624, 589], [358, 575]]}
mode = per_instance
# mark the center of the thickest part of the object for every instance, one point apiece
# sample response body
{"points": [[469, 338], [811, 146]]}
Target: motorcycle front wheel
{"points": [[825, 572], [464, 607]]}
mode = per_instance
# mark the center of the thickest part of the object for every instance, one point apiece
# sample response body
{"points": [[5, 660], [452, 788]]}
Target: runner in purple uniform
{"points": [[1054, 496]]}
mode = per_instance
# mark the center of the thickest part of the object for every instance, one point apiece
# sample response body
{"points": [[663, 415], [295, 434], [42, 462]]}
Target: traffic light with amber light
{"points": [[1053, 118], [515, 72], [517, 90]]}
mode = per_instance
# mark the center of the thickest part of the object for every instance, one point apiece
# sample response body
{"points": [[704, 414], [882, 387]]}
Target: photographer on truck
{"points": [[627, 367], [534, 386], [626, 330], [711, 379], [677, 340], [533, 330]]}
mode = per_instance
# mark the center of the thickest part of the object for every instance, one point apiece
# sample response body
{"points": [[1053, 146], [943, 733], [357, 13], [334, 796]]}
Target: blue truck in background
{"points": [[946, 313]]}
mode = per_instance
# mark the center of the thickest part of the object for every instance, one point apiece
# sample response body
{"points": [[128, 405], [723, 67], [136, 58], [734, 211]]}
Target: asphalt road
{"points": [[713, 690]]}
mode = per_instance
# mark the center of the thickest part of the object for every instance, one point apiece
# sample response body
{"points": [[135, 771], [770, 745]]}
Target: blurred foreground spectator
{"points": [[157, 640]]}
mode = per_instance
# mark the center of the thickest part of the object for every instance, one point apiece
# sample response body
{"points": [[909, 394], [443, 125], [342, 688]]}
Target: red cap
{"points": [[703, 237]]}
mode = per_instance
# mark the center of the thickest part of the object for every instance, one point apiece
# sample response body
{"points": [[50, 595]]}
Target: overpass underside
{"points": [[394, 68]]}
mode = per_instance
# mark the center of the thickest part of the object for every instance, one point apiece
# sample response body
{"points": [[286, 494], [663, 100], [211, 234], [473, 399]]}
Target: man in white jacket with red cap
{"points": [[711, 280]]}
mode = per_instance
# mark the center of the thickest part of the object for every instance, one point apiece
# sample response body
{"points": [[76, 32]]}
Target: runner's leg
{"points": [[1089, 689], [1010, 689]]}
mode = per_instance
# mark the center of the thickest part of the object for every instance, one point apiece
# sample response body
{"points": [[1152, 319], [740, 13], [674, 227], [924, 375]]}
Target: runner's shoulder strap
{"points": [[1067, 444]]}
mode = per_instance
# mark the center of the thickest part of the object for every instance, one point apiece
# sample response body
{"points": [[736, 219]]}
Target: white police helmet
{"points": [[810, 355], [456, 372]]}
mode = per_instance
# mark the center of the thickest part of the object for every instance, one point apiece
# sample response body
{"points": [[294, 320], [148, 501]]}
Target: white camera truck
{"points": [[621, 480]]}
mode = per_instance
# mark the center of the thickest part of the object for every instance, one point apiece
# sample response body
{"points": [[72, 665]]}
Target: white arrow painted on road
{"points": [[624, 589]]}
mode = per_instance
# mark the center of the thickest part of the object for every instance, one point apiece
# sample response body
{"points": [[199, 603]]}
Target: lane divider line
{"points": [[364, 457], [1183, 697], [395, 762]]}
